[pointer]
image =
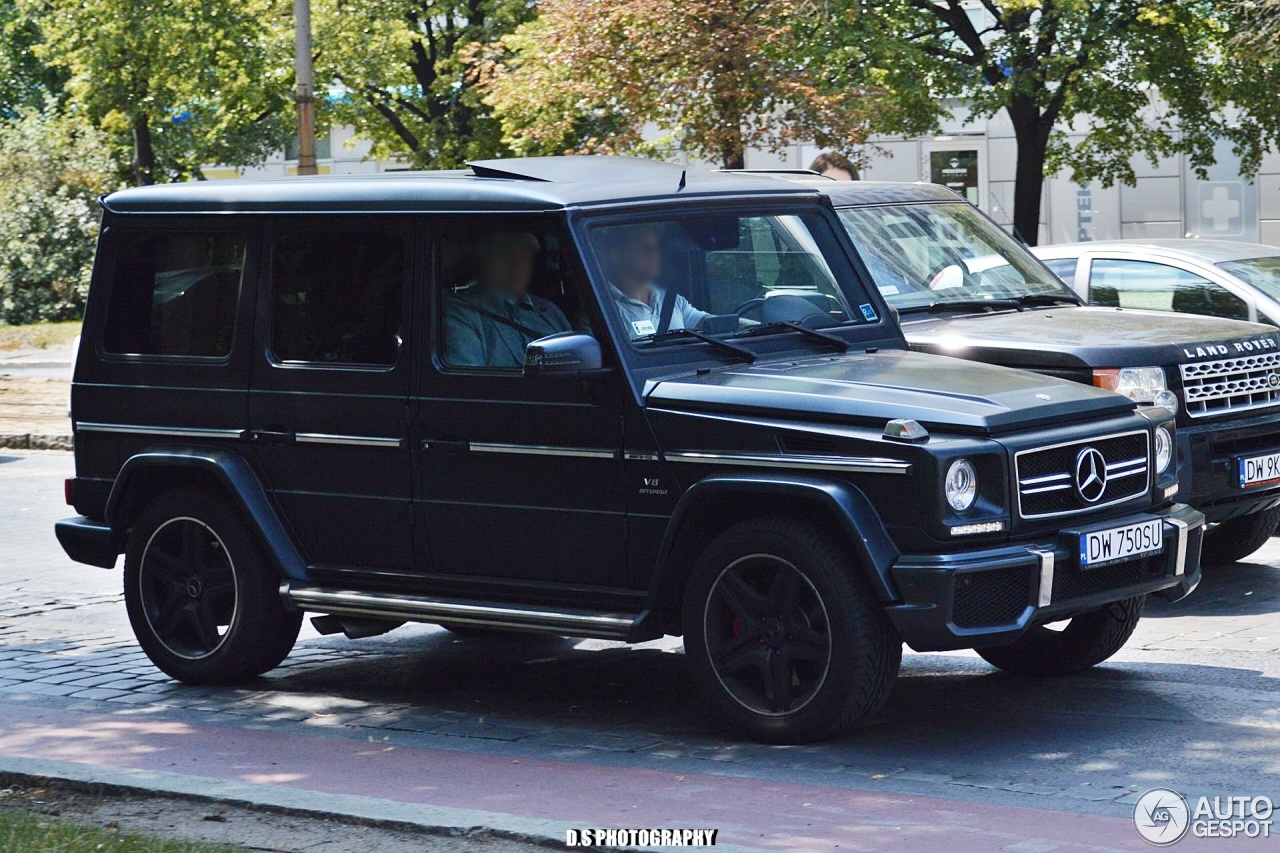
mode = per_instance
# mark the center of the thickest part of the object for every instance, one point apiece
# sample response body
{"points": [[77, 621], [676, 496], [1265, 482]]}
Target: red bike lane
{"points": [[749, 813]]}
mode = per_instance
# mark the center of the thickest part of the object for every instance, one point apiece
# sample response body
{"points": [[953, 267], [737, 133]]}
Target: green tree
{"points": [[175, 84], [25, 81], [52, 170], [720, 76], [1146, 78], [401, 80]]}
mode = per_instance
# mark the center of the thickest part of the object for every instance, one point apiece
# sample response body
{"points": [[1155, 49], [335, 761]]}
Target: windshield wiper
{"points": [[1050, 299], [812, 334], [716, 343], [942, 305]]}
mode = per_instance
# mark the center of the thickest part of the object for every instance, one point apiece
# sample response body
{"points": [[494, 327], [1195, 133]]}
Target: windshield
{"points": [[684, 277], [1262, 273], [920, 254]]}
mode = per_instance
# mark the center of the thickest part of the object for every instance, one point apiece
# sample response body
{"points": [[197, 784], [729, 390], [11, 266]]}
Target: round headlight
{"points": [[1164, 449], [961, 485], [1166, 399]]}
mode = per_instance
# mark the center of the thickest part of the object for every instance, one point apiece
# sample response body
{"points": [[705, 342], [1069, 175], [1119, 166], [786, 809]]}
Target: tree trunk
{"points": [[144, 155], [1032, 136], [733, 153]]}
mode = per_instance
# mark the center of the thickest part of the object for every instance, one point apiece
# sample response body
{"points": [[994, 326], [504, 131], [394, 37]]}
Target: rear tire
{"points": [[785, 638], [1233, 540], [1087, 640], [201, 595]]}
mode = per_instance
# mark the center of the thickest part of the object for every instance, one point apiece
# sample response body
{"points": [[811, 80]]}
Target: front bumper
{"points": [[990, 597], [1208, 454]]}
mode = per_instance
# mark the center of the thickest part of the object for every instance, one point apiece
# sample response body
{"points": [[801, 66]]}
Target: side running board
{"points": [[514, 617]]}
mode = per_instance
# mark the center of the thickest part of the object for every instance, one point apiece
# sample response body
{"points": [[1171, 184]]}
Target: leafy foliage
{"points": [[176, 85], [721, 75], [1140, 77], [25, 81], [52, 170], [405, 85]]}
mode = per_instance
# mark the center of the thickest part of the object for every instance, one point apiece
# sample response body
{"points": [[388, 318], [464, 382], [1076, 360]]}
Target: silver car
{"points": [[1218, 278]]}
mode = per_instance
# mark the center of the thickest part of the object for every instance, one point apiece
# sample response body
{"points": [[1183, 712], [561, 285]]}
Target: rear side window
{"points": [[1159, 287], [174, 294], [337, 297]]}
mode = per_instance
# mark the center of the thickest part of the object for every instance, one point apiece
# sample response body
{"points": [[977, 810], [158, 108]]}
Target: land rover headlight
{"points": [[1164, 449], [1139, 384], [961, 485]]}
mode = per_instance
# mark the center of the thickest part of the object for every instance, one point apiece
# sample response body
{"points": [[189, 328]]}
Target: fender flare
{"points": [[859, 523], [236, 476]]}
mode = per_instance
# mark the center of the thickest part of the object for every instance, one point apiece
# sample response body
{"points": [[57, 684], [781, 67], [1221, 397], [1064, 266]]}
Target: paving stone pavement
{"points": [[1192, 702]]}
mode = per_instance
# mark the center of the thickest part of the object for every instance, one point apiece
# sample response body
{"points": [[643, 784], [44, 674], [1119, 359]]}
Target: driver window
{"points": [[502, 286]]}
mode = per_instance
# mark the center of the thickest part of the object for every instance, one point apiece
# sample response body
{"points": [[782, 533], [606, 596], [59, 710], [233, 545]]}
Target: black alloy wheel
{"points": [[767, 634], [187, 586]]}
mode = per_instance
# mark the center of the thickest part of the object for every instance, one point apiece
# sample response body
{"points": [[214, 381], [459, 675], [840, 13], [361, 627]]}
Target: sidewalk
{"points": [[535, 799], [35, 388]]}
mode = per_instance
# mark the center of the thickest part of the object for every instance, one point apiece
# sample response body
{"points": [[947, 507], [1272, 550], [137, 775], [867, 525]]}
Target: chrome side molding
{"points": [[511, 617], [850, 464], [145, 429]]}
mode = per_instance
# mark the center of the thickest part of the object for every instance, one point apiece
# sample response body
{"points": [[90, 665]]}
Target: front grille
{"points": [[1047, 476], [991, 597], [1074, 582], [1231, 385]]}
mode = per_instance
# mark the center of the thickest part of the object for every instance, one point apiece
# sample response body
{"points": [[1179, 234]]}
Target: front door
{"points": [[519, 479], [328, 408]]}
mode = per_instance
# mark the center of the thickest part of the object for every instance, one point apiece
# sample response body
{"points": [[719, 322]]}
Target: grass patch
{"points": [[21, 832], [38, 335]]}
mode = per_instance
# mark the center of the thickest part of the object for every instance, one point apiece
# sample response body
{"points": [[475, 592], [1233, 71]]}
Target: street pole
{"points": [[304, 93]]}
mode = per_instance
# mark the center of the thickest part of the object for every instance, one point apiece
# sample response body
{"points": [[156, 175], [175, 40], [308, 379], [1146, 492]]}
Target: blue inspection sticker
{"points": [[868, 312]]}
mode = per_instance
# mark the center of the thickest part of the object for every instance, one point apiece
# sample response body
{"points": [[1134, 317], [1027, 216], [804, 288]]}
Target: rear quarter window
{"points": [[174, 294]]}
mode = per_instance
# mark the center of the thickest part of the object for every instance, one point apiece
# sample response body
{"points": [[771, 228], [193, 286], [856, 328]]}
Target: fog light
{"points": [[1164, 449], [961, 485]]}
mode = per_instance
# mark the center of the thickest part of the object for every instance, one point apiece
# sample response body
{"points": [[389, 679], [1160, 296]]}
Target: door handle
{"points": [[445, 445], [268, 435]]}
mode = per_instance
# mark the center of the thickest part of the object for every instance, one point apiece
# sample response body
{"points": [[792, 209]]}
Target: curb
{"points": [[36, 441], [347, 808]]}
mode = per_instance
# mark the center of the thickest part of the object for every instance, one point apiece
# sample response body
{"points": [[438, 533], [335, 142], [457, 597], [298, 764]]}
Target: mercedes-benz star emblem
{"points": [[1091, 475]]}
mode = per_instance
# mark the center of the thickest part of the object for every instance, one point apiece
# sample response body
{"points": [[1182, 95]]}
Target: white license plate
{"points": [[1103, 547], [1259, 470]]}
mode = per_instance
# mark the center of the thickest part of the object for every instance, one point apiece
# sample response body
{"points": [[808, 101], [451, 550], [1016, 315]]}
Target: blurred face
{"points": [[507, 269], [637, 261], [837, 173]]}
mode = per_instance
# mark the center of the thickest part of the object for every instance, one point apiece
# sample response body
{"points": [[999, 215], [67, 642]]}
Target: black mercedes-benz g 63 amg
{"points": [[595, 397], [963, 287]]}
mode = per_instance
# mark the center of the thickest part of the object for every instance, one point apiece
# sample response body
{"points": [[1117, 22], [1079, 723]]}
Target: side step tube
{"points": [[511, 617]]}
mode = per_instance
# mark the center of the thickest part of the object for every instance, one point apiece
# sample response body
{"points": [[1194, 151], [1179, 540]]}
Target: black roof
{"points": [[860, 193], [528, 184]]}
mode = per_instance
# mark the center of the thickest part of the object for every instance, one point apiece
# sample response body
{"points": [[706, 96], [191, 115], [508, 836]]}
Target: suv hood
{"points": [[878, 387], [1088, 337]]}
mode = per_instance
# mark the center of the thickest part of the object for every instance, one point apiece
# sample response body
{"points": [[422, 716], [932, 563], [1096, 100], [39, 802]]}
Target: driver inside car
{"points": [[634, 261]]}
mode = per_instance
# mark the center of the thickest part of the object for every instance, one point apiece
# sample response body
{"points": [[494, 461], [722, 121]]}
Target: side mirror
{"points": [[567, 354]]}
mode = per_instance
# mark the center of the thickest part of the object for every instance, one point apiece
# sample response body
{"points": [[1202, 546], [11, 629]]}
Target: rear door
{"points": [[329, 388]]}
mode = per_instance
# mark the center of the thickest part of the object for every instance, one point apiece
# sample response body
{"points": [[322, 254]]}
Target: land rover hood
{"points": [[1089, 338], [878, 387]]}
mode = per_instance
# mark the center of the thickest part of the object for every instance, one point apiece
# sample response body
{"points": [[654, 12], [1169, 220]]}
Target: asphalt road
{"points": [[591, 733]]}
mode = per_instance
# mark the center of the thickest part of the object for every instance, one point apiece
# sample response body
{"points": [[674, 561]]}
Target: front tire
{"points": [[786, 640], [1233, 540], [201, 596], [1086, 640]]}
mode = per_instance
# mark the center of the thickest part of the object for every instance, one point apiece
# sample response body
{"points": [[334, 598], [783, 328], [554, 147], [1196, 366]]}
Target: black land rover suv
{"points": [[592, 397], [964, 288]]}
